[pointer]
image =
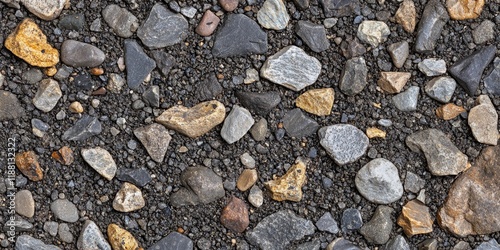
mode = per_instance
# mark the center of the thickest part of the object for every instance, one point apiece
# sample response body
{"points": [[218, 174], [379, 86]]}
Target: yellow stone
{"points": [[317, 101], [121, 239], [289, 186], [30, 44], [464, 9], [50, 71], [76, 107], [375, 133]]}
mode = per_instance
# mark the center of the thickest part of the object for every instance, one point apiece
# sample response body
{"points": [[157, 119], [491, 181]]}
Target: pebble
{"points": [[413, 182], [407, 100], [239, 35], [430, 26], [46, 10], [432, 66], [312, 245], [441, 88], [327, 224], [462, 10], [27, 163], [252, 75], [393, 82], [247, 179], [278, 230], [354, 76], [28, 242], [234, 216], [443, 157], [342, 244], [10, 107], [120, 238], [208, 24], [200, 185], [129, 198], [339, 8], [399, 52], [281, 68], [47, 95], [259, 130], [236, 124], [484, 32], [373, 32], [209, 88], [289, 186], [138, 64], [379, 228], [173, 239], [247, 160], [330, 22], [101, 161], [76, 107], [316, 101], [351, 220], [352, 48], [31, 76], [152, 96], [378, 181], [162, 28], [375, 133], [73, 22], [115, 83], [273, 15], [39, 127], [397, 243], [51, 227], [415, 218], [64, 210], [25, 205], [122, 21], [91, 237], [65, 233], [468, 70], [298, 125], [483, 121], [343, 142], [83, 129], [228, 5], [449, 111], [188, 11], [384, 122], [164, 61], [492, 81], [314, 35], [139, 177], [155, 138], [406, 15], [259, 103], [489, 245], [429, 244], [78, 54], [256, 196]]}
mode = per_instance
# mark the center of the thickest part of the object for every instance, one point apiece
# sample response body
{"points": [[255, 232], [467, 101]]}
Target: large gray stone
{"points": [[430, 26], [47, 95], [407, 100], [489, 245], [162, 28], [10, 107], [354, 76], [155, 138], [101, 161], [138, 63], [123, 23], [26, 242], [91, 238], [173, 241], [343, 142], [64, 210], [237, 124], [379, 228], [200, 185], [378, 181], [314, 35], [83, 129], [441, 88], [78, 54], [273, 15], [297, 124]]}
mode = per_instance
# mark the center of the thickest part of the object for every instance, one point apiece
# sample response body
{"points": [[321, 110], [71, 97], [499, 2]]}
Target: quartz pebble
{"points": [[373, 32], [129, 198]]}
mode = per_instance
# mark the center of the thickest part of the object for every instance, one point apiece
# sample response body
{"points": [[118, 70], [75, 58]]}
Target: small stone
{"points": [[31, 76], [484, 32], [393, 82], [46, 10], [237, 124], [273, 15], [247, 160], [51, 227], [441, 89], [316, 101], [235, 215], [139, 64], [78, 54], [129, 198], [115, 83], [120, 238], [137, 176], [311, 245], [449, 111], [492, 81], [152, 96], [289, 186], [91, 237], [339, 8], [330, 22], [76, 107], [200, 185], [413, 182], [489, 245], [28, 242], [47, 95], [228, 5], [162, 28], [343, 142], [73, 22], [259, 103], [208, 24], [429, 244], [406, 15], [247, 179], [415, 218], [327, 224], [123, 23], [351, 220], [407, 100], [378, 181], [64, 210], [259, 130], [432, 66], [354, 76], [462, 245], [64, 233], [462, 10], [352, 48], [209, 88], [399, 52], [10, 107], [483, 121], [375, 133], [173, 239], [25, 205], [373, 32], [155, 138], [101, 161], [342, 244], [256, 196], [397, 243], [379, 228], [314, 35], [164, 61], [430, 26], [297, 124], [39, 127], [188, 11], [27, 163], [83, 129], [252, 75], [193, 122]]}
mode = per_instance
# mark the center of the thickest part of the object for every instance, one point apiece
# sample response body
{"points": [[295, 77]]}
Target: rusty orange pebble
{"points": [[96, 71]]}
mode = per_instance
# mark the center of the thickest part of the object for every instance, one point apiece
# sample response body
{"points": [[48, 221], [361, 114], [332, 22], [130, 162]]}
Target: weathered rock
{"points": [[373, 32], [483, 121], [120, 238], [209, 88], [415, 218], [311, 245], [489, 245], [314, 35], [25, 205], [137, 176], [492, 81], [129, 198], [276, 231], [429, 244], [27, 242], [407, 100], [162, 28], [252, 75], [327, 224], [83, 129], [464, 9], [229, 5], [174, 240], [316, 101], [46, 10], [484, 32], [282, 68], [152, 96], [200, 185], [155, 138], [462, 245], [430, 26], [27, 163], [343, 142], [164, 61], [352, 48], [78, 54], [432, 66], [259, 103], [339, 8], [273, 15], [406, 15], [441, 88], [10, 107], [237, 124], [256, 196], [354, 76], [64, 210], [289, 186], [208, 24], [397, 243], [193, 122], [378, 181], [375, 133], [101, 161], [247, 160], [47, 95], [247, 179], [235, 215], [393, 82], [449, 111], [38, 127], [297, 124], [138, 63], [76, 107], [302, 4], [51, 227], [29, 43], [443, 157], [91, 237], [399, 52], [351, 220], [379, 228]]}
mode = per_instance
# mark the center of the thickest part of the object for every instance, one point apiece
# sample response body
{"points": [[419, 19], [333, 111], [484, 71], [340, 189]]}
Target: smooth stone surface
{"points": [[26, 242], [465, 9], [327, 224], [129, 198], [441, 88], [229, 5], [273, 15], [430, 26], [492, 81], [314, 35], [64, 210], [155, 138], [407, 100], [406, 15], [259, 130], [339, 8], [373, 32], [247, 179], [378, 181], [46, 10], [208, 24], [83, 129], [162, 28], [343, 142], [379, 228], [209, 88], [78, 54], [237, 124], [51, 227], [432, 66], [91, 237], [64, 233], [354, 76], [342, 244], [73, 22], [484, 32], [282, 68], [415, 218], [289, 186], [259, 103], [316, 101], [397, 243], [443, 157], [174, 240], [138, 64], [393, 82], [351, 220], [137, 176], [25, 205], [312, 245], [164, 61], [234, 215], [256, 196], [399, 52], [122, 21], [10, 107], [47, 95], [298, 125], [200, 185], [101, 161]]}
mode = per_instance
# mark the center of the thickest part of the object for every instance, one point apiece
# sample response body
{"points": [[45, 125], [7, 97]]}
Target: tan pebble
{"points": [[464, 9], [415, 218], [317, 101], [375, 133], [50, 71], [96, 71], [121, 239], [449, 111], [247, 179], [76, 107], [289, 186]]}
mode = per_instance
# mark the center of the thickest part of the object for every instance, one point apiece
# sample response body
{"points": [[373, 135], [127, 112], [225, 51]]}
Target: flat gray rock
{"points": [[432, 66], [441, 88], [354, 76], [343, 142], [64, 210], [236, 124], [378, 181], [339, 8], [91, 237], [83, 129], [137, 176], [397, 243], [200, 185], [25, 205], [155, 138], [101, 161], [489, 245], [484, 32], [259, 103], [173, 241], [78, 54], [26, 242], [430, 26], [10, 107], [51, 227], [379, 228], [123, 23], [407, 100], [138, 64], [47, 95], [314, 35], [399, 52], [327, 224], [273, 15], [162, 28], [297, 124]]}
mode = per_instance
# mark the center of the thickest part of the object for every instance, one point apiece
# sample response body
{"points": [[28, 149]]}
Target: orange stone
{"points": [[375, 133], [464, 9], [121, 239], [449, 111], [64, 155], [27, 163], [235, 215], [415, 218], [96, 71]]}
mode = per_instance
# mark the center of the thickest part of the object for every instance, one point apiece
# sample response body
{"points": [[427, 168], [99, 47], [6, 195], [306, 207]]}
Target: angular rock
{"points": [[429, 244], [343, 142], [152, 96], [373, 32], [449, 111], [289, 186], [352, 48], [430, 26], [155, 138], [164, 61], [432, 66], [29, 43], [327, 224], [483, 121], [379, 228], [339, 8], [64, 210], [406, 15], [393, 82], [375, 133], [208, 24], [354, 76], [239, 36], [78, 54], [278, 230], [468, 70], [120, 238], [27, 163], [200, 185], [259, 103], [51, 227], [252, 75], [129, 198], [28, 242], [378, 181], [314, 35], [273, 15], [256, 196], [139, 65], [465, 9], [91, 237], [413, 182], [47, 95], [162, 28], [484, 32], [237, 124], [235, 215], [39, 127], [25, 205], [489, 245], [73, 22], [311, 245], [193, 122], [316, 101], [415, 218], [441, 88], [351, 220], [101, 161], [259, 130], [209, 88], [491, 82], [443, 157], [228, 5], [302, 4], [397, 243], [247, 179], [139, 177], [174, 240], [399, 52], [10, 107], [407, 100], [83, 129], [282, 68], [46, 10], [298, 125]]}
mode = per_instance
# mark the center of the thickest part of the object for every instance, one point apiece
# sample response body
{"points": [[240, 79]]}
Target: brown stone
{"points": [[247, 179], [406, 15], [483, 121], [235, 215], [317, 101], [121, 239], [30, 44], [64, 155], [96, 71], [415, 218], [99, 91], [208, 24], [473, 203], [464, 9], [449, 111], [27, 163], [375, 133], [289, 186], [195, 121], [393, 82], [228, 5]]}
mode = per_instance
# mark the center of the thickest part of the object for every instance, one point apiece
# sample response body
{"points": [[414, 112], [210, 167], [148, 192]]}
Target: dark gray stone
{"points": [[64, 210], [343, 142], [312, 245], [139, 177], [138, 64], [430, 26], [173, 241], [123, 23], [155, 138], [239, 36], [351, 220], [352, 48], [165, 62], [301, 4], [397, 243], [339, 8], [152, 96], [32, 76], [200, 185], [26, 242], [259, 130], [314, 35], [327, 224], [83, 129], [441, 88], [91, 237], [407, 100], [354, 76], [72, 22], [78, 54], [342, 244], [83, 81], [278, 230], [10, 107], [492, 81], [413, 182], [259, 103], [298, 125], [468, 70], [378, 181], [209, 88], [399, 52], [379, 228]]}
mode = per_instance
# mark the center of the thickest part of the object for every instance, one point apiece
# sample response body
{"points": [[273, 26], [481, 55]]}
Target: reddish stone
{"points": [[99, 91], [64, 155], [228, 5], [235, 215], [27, 163], [208, 24]]}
